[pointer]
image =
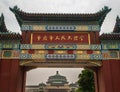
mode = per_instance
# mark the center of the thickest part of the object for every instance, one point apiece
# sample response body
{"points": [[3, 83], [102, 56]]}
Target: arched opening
{"points": [[37, 79]]}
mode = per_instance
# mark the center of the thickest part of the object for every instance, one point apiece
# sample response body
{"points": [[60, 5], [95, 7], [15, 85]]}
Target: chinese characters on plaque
{"points": [[59, 37]]}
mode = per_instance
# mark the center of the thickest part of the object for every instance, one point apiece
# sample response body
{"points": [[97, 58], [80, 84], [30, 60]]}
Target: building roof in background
{"points": [[57, 79]]}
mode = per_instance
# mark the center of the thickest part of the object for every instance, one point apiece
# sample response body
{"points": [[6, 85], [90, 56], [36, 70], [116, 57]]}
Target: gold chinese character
{"points": [[38, 38], [51, 37], [69, 38], [63, 37], [81, 38], [45, 38], [57, 38], [75, 38]]}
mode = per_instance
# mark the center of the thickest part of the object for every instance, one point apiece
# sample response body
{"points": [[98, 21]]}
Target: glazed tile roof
{"points": [[111, 36], [23, 16], [57, 79], [42, 84], [74, 84], [10, 36]]}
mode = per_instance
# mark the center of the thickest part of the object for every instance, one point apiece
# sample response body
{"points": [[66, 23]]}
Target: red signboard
{"points": [[59, 37]]}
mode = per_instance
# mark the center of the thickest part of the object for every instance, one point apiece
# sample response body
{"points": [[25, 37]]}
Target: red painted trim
{"points": [[26, 36], [31, 51], [89, 51], [23, 37], [50, 51], [97, 37], [70, 52], [92, 38]]}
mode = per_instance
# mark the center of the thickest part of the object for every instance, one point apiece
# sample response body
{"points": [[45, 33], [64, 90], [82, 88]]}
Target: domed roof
{"points": [[42, 84], [57, 79]]}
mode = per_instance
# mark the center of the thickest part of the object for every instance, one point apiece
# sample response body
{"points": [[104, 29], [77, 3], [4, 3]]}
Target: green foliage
{"points": [[78, 90], [86, 81]]}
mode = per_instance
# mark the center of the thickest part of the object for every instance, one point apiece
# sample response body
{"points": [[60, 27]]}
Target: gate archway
{"points": [[59, 40]]}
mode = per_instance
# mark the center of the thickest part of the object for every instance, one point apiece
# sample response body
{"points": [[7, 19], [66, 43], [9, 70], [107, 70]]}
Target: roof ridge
{"points": [[24, 16], [16, 9]]}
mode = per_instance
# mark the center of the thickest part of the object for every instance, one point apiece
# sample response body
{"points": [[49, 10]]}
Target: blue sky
{"points": [[58, 6]]}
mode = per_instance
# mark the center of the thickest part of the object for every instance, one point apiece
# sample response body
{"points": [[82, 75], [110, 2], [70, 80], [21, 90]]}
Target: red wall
{"points": [[109, 76], [94, 38], [26, 37], [11, 76]]}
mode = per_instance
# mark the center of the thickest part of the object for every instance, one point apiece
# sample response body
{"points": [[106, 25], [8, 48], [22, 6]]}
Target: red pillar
{"points": [[108, 76], [26, 37], [11, 76], [95, 81]]}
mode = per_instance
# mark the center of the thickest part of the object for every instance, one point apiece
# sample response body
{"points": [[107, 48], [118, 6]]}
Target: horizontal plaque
{"points": [[60, 37]]}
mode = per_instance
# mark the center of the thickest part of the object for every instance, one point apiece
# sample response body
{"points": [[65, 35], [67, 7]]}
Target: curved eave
{"points": [[116, 30], [110, 37], [102, 17], [2, 24], [23, 16], [117, 26], [19, 19]]}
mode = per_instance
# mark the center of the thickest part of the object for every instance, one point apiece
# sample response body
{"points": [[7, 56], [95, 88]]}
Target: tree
{"points": [[86, 81]]}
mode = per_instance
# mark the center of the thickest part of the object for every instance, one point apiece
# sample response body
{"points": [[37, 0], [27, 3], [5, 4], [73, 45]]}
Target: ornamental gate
{"points": [[59, 40]]}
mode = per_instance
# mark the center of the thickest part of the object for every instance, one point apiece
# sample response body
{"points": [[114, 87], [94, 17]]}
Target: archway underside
{"points": [[61, 63]]}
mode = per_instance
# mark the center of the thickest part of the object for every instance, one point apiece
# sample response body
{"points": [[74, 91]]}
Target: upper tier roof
{"points": [[23, 16]]}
